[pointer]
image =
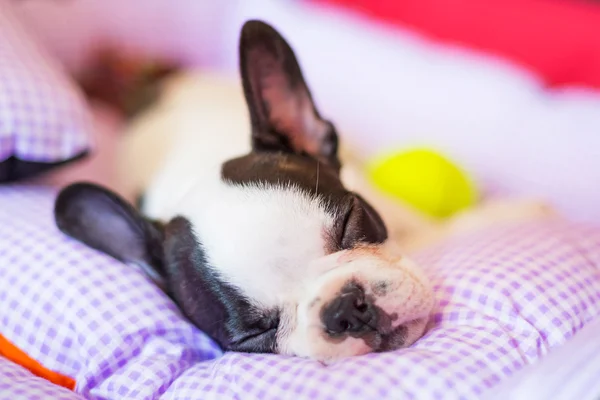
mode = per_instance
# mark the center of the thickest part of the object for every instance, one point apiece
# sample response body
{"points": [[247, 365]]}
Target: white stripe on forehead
{"points": [[260, 238]]}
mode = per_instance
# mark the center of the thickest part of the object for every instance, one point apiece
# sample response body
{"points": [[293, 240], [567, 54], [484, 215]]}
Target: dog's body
{"points": [[202, 120], [267, 243]]}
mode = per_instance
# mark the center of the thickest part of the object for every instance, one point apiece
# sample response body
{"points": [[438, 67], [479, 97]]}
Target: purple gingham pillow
{"points": [[571, 371], [18, 383], [506, 297], [43, 117]]}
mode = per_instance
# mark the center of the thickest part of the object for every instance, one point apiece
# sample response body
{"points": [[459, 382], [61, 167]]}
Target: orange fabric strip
{"points": [[14, 354]]}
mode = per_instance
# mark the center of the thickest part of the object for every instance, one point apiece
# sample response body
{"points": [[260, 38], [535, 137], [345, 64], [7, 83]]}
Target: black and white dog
{"points": [[247, 223]]}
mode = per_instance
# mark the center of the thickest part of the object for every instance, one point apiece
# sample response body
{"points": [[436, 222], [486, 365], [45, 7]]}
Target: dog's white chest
{"points": [[200, 122]]}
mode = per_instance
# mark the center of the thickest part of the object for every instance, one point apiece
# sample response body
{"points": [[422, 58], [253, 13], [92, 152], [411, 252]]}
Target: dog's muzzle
{"points": [[349, 313]]}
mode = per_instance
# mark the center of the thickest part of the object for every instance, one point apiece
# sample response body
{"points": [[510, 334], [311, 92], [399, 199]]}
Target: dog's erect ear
{"points": [[104, 221], [282, 112]]}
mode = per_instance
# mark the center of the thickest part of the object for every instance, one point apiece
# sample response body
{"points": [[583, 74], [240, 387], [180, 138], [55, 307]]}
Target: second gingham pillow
{"points": [[43, 118]]}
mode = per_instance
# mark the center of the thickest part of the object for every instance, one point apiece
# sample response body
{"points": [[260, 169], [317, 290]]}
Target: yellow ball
{"points": [[424, 179]]}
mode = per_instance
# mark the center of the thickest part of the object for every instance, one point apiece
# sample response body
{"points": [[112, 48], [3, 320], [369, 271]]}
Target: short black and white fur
{"points": [[248, 225]]}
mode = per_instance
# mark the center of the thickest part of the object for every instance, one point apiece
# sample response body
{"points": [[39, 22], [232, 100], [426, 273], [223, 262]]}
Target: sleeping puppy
{"points": [[250, 223]]}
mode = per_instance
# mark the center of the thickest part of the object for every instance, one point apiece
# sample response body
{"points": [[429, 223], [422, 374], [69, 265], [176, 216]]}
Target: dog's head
{"points": [[270, 253]]}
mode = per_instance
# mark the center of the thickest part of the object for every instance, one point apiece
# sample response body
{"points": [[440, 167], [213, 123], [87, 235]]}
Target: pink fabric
{"points": [[74, 30], [514, 29]]}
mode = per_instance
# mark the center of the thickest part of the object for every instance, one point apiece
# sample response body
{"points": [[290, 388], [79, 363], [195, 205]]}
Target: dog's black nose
{"points": [[350, 312]]}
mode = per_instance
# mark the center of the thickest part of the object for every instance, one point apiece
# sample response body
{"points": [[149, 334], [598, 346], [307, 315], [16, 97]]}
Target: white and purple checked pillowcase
{"points": [[43, 117], [18, 383], [505, 296], [572, 371]]}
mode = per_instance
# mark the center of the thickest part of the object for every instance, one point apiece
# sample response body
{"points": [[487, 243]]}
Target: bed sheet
{"points": [[505, 298]]}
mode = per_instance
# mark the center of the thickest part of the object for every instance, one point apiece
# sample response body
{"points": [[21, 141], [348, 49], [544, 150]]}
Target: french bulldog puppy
{"points": [[254, 226]]}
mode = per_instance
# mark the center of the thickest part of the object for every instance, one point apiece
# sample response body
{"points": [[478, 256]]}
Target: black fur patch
{"points": [[209, 302], [356, 221]]}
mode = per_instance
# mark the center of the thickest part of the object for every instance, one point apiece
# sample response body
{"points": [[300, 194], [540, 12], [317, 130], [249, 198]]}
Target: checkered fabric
{"points": [[43, 117], [18, 383], [505, 297], [571, 371]]}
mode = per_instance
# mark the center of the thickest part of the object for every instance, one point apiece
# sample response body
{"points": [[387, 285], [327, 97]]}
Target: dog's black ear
{"points": [[106, 222], [282, 112]]}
